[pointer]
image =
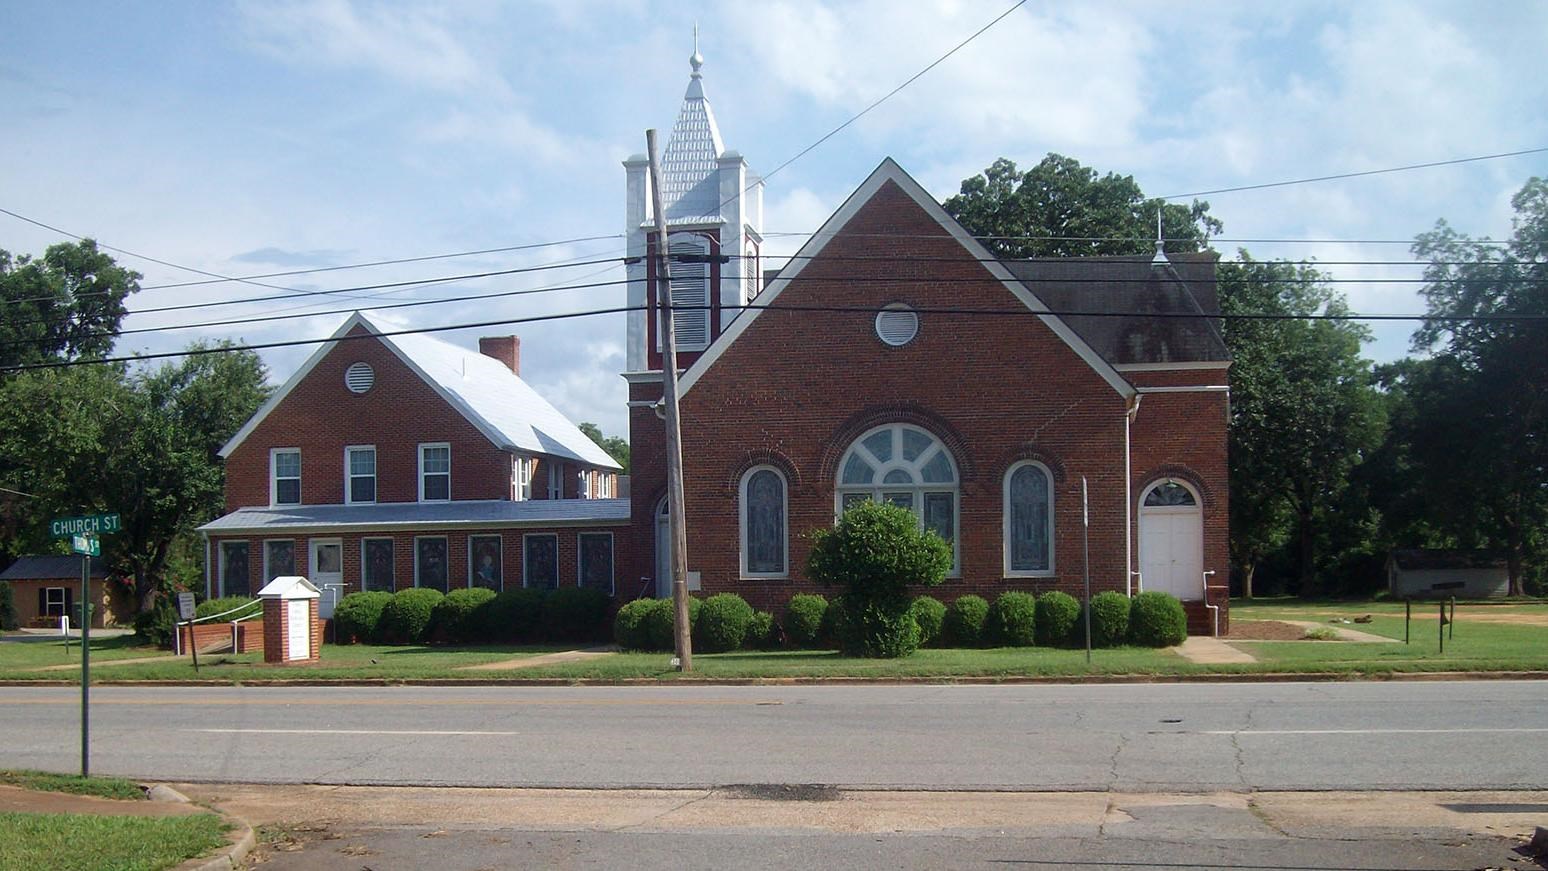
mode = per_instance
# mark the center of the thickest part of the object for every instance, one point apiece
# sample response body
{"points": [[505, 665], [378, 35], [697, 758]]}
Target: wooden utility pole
{"points": [[674, 430]]}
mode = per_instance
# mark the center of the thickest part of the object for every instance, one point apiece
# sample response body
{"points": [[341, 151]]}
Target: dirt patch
{"points": [[1265, 630], [782, 791]]}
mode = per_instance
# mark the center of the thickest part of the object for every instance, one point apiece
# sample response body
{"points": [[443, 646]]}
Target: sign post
{"points": [[82, 532], [185, 611], [1085, 542]]}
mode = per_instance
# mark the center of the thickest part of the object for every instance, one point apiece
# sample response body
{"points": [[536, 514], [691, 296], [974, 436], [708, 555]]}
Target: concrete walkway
{"points": [[1345, 634], [1212, 651], [545, 659], [99, 663]]}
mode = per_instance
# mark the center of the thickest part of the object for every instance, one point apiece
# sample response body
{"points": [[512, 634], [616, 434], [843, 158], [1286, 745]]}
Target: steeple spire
{"points": [[696, 60]]}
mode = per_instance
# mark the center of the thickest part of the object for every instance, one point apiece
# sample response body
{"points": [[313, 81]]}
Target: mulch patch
{"points": [[1265, 630]]}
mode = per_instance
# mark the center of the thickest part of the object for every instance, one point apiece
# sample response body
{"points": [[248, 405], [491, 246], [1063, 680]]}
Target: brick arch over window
{"points": [[730, 485], [1031, 451], [1180, 473], [903, 412]]}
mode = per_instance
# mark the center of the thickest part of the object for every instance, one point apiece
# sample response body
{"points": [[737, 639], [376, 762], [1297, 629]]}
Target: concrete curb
{"points": [[240, 840], [1215, 677]]}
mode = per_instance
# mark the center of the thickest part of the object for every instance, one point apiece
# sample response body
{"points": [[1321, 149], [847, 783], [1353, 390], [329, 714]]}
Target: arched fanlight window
{"points": [[1169, 494], [909, 467]]}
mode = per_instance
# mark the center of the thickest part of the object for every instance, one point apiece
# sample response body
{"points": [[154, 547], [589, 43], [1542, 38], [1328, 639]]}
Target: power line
{"points": [[1343, 175], [1148, 240]]}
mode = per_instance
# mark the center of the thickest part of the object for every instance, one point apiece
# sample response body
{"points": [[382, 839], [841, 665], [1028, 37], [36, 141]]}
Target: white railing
{"points": [[177, 627]]}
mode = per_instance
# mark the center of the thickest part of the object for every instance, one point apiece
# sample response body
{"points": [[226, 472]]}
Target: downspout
{"points": [[208, 577], [1129, 415]]}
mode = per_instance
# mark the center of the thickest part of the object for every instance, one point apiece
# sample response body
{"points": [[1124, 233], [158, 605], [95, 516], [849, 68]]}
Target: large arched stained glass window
{"points": [[764, 538], [1028, 520], [909, 467]]}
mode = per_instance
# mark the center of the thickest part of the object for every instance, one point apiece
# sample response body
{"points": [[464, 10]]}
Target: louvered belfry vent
{"points": [[690, 292], [359, 377], [897, 325]]}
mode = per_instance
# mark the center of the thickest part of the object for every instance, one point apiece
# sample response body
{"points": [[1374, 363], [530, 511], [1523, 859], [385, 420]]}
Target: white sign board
{"points": [[185, 606], [298, 614]]}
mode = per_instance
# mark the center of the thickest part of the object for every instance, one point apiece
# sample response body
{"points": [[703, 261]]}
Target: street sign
{"points": [[185, 606], [88, 545], [89, 524]]}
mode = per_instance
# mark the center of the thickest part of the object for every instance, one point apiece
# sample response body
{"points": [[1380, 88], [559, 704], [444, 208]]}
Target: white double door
{"points": [[1172, 550]]}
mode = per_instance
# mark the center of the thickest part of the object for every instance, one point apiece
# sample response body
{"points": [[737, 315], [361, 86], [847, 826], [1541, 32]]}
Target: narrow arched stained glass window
{"points": [[1028, 519], [763, 522]]}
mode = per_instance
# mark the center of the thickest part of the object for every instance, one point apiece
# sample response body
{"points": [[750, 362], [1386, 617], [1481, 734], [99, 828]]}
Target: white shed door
{"points": [[298, 613]]}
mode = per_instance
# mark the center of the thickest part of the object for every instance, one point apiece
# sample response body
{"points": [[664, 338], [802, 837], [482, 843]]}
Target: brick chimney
{"points": [[506, 349]]}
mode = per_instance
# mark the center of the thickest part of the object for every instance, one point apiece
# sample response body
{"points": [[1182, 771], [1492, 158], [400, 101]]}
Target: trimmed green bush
{"points": [[1058, 616], [216, 606], [834, 622], [1012, 620], [930, 615], [629, 625], [804, 619], [761, 632], [456, 618], [1109, 619], [358, 615], [659, 622], [575, 614], [722, 623], [965, 621], [1157, 619], [157, 625], [7, 607], [514, 616], [874, 554], [406, 619]]}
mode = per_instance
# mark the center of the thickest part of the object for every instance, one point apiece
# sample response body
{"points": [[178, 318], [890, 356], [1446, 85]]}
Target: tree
{"points": [[1304, 412], [616, 447], [1484, 395], [66, 306], [1060, 208]]}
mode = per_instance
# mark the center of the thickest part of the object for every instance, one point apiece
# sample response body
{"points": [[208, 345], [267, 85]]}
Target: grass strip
{"points": [[86, 842], [103, 787]]}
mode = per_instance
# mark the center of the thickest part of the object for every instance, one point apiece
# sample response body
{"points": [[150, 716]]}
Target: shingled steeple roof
{"points": [[690, 185]]}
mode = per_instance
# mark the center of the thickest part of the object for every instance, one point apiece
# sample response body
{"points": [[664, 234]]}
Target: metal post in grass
{"points": [[1443, 626], [1452, 632], [1085, 543], [1408, 616]]}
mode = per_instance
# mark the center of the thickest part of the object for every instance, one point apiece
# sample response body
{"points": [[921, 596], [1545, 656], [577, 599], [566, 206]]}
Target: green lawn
{"points": [[23, 655], [103, 787], [46, 842]]}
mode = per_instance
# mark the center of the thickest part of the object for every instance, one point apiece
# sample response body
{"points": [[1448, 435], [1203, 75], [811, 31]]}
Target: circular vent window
{"points": [[359, 377], [897, 324]]}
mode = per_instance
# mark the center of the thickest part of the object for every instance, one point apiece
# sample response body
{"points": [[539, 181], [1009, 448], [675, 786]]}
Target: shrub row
{"points": [[471, 616]]}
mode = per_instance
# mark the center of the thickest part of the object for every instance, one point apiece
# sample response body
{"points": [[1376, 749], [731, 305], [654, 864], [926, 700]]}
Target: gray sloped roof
{"points": [[424, 515], [50, 567], [690, 177], [1120, 291], [1433, 559]]}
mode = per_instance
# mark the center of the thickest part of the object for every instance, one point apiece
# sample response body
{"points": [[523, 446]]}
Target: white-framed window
{"points": [[594, 561], [690, 289], [1028, 520], [430, 562], [285, 476], [56, 602], [376, 565], [583, 484], [359, 474], [909, 467], [486, 562], [555, 480], [279, 558], [234, 577], [606, 484], [435, 472], [521, 479], [764, 505], [540, 560]]}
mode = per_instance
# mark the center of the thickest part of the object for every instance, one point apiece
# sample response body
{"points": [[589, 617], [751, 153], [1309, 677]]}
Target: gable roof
{"points": [[1120, 291], [485, 391], [890, 171], [50, 567]]}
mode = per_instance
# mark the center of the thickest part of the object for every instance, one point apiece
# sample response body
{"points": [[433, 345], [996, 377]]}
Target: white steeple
{"points": [[714, 203]]}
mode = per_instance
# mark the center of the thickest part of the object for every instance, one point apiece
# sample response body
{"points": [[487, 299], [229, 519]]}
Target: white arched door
{"points": [[663, 553], [1171, 540]]}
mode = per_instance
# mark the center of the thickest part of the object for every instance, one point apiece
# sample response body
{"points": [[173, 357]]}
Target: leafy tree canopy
{"points": [[616, 447], [65, 306]]}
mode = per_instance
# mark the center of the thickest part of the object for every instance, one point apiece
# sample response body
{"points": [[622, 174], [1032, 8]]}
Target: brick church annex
{"points": [[892, 358]]}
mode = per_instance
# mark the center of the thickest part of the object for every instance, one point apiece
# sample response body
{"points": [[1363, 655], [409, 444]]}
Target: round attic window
{"points": [[359, 377], [897, 324]]}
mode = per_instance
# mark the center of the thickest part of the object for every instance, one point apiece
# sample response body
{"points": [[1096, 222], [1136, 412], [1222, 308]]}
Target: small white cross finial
{"points": [[697, 60]]}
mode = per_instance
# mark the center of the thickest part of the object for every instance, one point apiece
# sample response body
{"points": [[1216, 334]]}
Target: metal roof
{"points": [[690, 164], [388, 516], [50, 568]]}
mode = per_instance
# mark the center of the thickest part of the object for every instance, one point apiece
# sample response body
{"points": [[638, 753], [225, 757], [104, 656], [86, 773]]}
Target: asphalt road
{"points": [[1133, 737]]}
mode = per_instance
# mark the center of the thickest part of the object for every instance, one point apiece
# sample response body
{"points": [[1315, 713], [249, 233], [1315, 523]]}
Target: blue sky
{"points": [[247, 138]]}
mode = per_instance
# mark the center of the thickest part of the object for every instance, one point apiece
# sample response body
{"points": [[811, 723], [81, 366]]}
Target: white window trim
{"points": [[472, 569], [612, 579], [349, 475], [64, 602], [266, 574], [422, 447], [555, 480], [393, 581], [524, 578], [445, 538], [1005, 520], [876, 491], [221, 555], [741, 522], [274, 479], [521, 479]]}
